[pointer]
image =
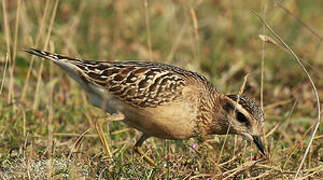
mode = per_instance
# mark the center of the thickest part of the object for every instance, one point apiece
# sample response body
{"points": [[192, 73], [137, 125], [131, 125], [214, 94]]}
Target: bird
{"points": [[162, 100]]}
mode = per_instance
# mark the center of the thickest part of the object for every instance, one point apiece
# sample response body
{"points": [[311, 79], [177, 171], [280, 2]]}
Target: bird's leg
{"points": [[138, 149], [98, 126]]}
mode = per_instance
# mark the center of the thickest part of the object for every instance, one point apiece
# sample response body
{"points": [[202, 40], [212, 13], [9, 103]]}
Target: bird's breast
{"points": [[173, 120]]}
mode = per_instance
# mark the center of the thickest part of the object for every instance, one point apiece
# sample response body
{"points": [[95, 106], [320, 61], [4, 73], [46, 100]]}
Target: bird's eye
{"points": [[241, 118]]}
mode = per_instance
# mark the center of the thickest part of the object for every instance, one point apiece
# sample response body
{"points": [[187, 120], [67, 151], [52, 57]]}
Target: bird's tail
{"points": [[67, 64], [43, 54], [53, 57]]}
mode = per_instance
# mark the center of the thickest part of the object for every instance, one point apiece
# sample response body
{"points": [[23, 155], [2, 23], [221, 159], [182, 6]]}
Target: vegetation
{"points": [[43, 112]]}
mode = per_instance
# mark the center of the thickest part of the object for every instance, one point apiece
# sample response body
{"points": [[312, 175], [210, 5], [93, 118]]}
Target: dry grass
{"points": [[44, 114]]}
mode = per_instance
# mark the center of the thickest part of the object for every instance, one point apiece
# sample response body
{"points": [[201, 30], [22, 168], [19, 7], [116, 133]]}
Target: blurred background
{"points": [[43, 112]]}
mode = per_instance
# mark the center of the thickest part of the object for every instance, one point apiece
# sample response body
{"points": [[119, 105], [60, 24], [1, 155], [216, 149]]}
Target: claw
{"points": [[147, 158]]}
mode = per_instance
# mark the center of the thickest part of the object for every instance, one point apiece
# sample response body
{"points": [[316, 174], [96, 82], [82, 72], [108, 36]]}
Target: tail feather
{"points": [[42, 54], [67, 64], [54, 57]]}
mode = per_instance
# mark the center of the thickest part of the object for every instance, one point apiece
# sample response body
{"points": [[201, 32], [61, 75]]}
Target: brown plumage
{"points": [[162, 100]]}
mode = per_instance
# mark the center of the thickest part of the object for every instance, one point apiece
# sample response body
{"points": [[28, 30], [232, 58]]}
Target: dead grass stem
{"points": [[317, 98]]}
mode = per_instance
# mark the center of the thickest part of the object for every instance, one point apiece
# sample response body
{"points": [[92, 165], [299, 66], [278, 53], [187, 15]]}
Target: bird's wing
{"points": [[140, 84], [137, 83]]}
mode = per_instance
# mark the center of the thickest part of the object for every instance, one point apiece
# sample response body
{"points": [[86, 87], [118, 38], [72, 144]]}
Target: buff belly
{"points": [[169, 121]]}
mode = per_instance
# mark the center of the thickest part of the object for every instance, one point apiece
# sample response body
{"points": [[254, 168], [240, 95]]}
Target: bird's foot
{"points": [[144, 155]]}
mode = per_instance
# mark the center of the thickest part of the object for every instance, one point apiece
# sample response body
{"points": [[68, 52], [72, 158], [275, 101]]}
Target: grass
{"points": [[41, 124]]}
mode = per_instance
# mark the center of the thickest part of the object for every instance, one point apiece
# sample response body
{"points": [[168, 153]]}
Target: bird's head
{"points": [[244, 118]]}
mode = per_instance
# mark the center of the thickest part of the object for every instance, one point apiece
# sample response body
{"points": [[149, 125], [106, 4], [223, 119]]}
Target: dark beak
{"points": [[259, 144]]}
